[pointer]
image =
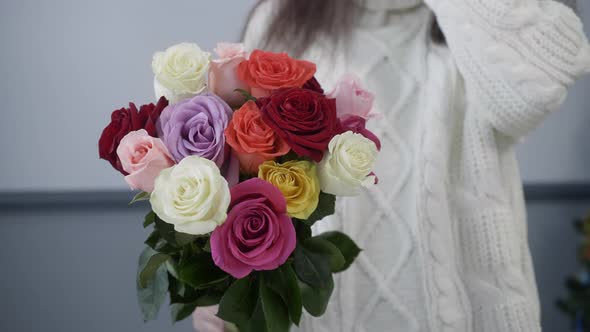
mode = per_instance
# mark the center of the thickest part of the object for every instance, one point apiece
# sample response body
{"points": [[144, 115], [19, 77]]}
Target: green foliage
{"points": [[150, 218], [325, 248], [326, 207], [200, 272], [153, 294], [276, 314], [181, 265], [283, 281], [180, 311], [345, 245], [577, 303], [315, 299], [151, 267], [311, 268], [239, 302], [142, 196]]}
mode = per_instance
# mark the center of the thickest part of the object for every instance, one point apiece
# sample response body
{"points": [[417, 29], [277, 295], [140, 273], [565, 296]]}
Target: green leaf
{"points": [[322, 246], [171, 236], [207, 247], [172, 268], [153, 295], [246, 94], [209, 298], [149, 271], [183, 239], [152, 240], [345, 244], [311, 268], [275, 312], [142, 196], [166, 230], [150, 218], [257, 321], [239, 302], [302, 229], [326, 207], [180, 311], [200, 272], [283, 281], [315, 300]]}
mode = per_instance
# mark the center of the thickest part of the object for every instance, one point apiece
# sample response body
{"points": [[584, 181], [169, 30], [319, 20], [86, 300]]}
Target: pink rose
{"points": [[352, 98], [143, 157], [223, 78], [257, 234]]}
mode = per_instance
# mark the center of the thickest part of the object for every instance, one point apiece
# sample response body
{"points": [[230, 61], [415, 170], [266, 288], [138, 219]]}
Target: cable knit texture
{"points": [[444, 233]]}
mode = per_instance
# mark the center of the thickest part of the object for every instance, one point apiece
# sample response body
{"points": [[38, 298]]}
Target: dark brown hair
{"points": [[298, 24]]}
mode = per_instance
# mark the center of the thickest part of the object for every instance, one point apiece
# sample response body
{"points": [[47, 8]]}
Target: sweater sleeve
{"points": [[518, 57]]}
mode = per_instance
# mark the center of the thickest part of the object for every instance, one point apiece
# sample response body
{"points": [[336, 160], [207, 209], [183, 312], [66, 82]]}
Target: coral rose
{"points": [[252, 139], [267, 71]]}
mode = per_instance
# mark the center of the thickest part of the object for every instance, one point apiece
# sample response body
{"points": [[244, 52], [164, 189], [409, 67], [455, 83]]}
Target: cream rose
{"points": [[193, 196], [348, 165], [180, 71]]}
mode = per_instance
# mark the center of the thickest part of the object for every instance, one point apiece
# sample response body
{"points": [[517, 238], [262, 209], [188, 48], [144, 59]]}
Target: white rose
{"points": [[348, 164], [180, 72], [193, 196]]}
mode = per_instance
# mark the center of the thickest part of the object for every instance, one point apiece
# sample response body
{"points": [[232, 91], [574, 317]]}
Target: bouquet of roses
{"points": [[239, 158]]}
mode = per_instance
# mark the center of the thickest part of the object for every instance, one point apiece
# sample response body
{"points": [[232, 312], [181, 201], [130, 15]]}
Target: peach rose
{"points": [[252, 139], [351, 98], [223, 77], [143, 157], [267, 71]]}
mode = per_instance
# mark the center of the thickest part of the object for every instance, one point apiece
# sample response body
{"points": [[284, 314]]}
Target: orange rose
{"points": [[267, 71], [252, 139]]}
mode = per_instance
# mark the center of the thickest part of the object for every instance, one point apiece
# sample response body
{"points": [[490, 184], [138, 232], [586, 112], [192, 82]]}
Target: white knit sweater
{"points": [[444, 233]]}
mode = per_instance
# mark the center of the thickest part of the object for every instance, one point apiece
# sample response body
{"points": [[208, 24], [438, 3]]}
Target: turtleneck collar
{"points": [[388, 5]]}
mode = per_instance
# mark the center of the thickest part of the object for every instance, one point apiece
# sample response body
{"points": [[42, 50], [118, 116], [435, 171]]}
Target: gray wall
{"points": [[66, 64]]}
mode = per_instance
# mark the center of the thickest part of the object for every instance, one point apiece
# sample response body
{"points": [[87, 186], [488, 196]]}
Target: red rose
{"points": [[124, 121], [314, 85], [305, 119]]}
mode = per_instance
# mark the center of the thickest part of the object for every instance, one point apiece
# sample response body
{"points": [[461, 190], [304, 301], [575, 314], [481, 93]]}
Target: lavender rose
{"points": [[195, 127]]}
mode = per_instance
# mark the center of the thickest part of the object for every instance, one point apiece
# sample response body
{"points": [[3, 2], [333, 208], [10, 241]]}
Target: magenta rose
{"points": [[258, 234]]}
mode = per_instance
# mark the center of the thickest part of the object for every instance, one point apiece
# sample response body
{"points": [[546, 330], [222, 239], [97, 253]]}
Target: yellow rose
{"points": [[299, 183]]}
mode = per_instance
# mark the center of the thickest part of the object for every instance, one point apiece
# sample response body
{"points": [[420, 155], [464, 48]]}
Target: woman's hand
{"points": [[205, 320]]}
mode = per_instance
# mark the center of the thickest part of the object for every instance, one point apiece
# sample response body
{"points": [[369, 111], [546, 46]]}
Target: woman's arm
{"points": [[518, 57]]}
